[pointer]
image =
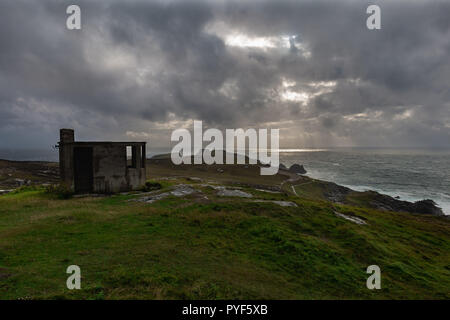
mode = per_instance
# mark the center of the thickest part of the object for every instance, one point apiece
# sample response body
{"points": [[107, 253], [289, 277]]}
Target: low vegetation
{"points": [[189, 241], [203, 246], [61, 191], [151, 186]]}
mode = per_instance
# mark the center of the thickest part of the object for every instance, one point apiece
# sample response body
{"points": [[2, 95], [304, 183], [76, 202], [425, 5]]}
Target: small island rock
{"points": [[297, 168]]}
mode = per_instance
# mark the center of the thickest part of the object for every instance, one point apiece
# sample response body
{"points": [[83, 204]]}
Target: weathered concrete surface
{"points": [[111, 173], [110, 170]]}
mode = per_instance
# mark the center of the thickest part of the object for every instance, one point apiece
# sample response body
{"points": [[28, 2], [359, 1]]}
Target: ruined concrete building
{"points": [[101, 167]]}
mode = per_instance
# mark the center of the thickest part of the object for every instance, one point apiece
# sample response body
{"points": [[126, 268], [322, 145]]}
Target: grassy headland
{"points": [[205, 246]]}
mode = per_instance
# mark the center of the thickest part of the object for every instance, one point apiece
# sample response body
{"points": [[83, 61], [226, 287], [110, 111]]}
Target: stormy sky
{"points": [[139, 69]]}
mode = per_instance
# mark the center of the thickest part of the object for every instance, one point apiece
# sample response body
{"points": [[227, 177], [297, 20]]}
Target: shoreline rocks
{"points": [[297, 168], [372, 199], [385, 202]]}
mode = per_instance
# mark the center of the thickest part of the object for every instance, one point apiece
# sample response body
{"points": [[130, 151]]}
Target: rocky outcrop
{"points": [[177, 191], [335, 192], [384, 202], [234, 193], [427, 206], [372, 199], [282, 167], [297, 168]]}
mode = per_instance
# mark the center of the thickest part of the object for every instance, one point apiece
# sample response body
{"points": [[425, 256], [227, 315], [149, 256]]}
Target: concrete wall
{"points": [[65, 155], [66, 164], [110, 171]]}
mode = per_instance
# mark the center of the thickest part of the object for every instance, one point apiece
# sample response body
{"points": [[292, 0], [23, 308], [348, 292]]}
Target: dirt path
{"points": [[292, 178]]}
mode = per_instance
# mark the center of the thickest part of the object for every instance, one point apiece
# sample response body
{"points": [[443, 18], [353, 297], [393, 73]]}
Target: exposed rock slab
{"points": [[268, 191], [178, 191], [182, 190], [280, 203], [350, 218], [233, 193]]}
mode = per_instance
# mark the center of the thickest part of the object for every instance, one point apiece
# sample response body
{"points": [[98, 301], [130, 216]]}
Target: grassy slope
{"points": [[216, 248]]}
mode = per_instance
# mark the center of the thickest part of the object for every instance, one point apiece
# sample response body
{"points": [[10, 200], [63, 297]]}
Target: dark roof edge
{"points": [[105, 142]]}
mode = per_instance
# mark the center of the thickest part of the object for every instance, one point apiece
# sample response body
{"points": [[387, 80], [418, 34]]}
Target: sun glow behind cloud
{"points": [[296, 96], [245, 41], [291, 92]]}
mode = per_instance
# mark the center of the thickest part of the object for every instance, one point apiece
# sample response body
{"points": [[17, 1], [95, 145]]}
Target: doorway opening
{"points": [[83, 169]]}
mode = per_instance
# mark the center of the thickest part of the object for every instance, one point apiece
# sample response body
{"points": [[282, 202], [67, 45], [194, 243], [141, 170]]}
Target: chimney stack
{"points": [[66, 135]]}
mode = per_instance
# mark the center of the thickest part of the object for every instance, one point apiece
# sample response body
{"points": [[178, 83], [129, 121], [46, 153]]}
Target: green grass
{"points": [[222, 248]]}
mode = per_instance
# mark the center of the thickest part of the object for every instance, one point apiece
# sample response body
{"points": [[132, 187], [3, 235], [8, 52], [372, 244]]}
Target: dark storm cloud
{"points": [[147, 67]]}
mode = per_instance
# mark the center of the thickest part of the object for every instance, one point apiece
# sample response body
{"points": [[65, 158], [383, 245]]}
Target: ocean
{"points": [[411, 174]]}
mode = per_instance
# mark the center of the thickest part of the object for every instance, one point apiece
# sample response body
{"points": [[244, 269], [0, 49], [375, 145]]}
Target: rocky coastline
{"points": [[15, 174], [339, 194]]}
